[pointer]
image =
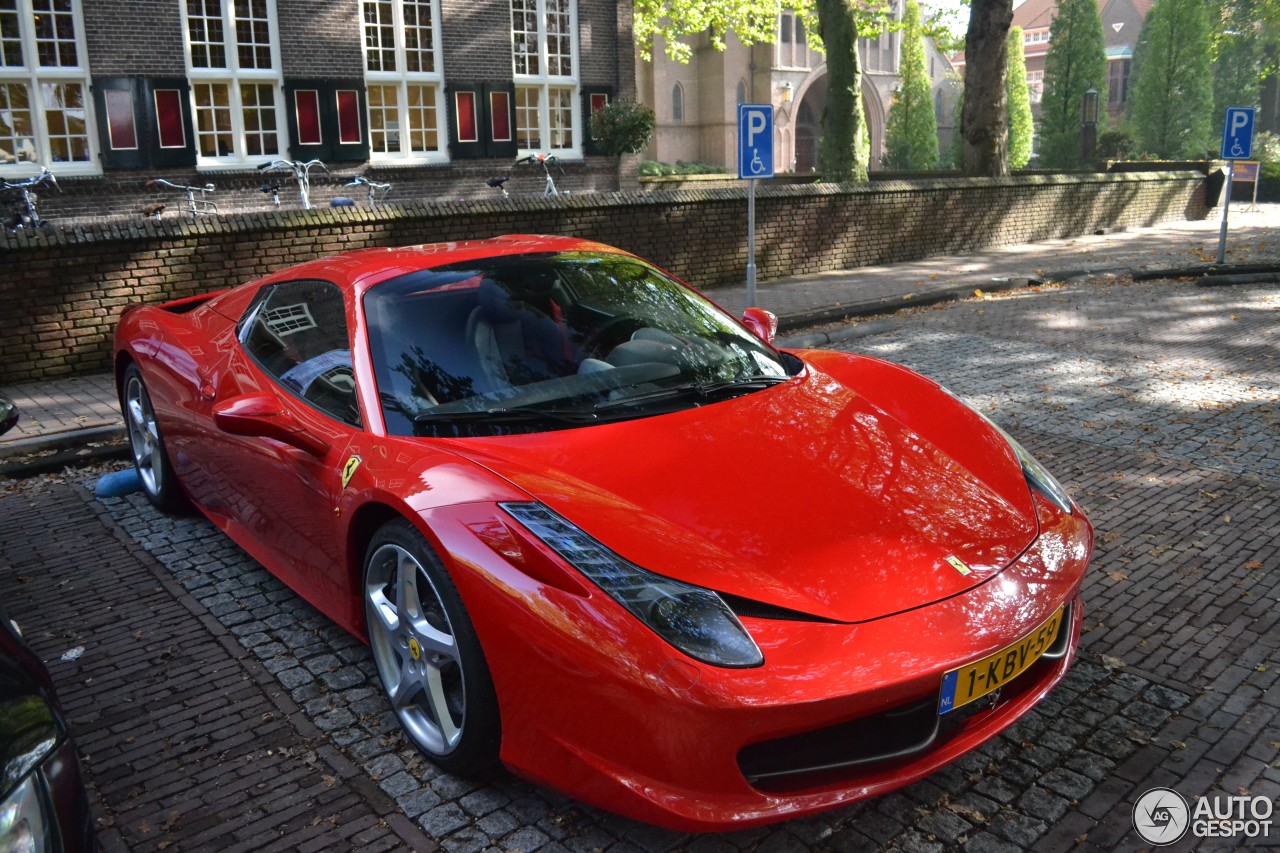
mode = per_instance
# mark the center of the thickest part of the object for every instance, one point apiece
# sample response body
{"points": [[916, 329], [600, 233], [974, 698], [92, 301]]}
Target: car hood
{"points": [[841, 493]]}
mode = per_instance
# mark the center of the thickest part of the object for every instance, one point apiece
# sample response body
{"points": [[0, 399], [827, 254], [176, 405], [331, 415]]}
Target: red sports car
{"points": [[593, 527]]}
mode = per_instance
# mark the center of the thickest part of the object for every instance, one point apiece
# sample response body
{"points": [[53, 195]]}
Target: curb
{"points": [[44, 454]]}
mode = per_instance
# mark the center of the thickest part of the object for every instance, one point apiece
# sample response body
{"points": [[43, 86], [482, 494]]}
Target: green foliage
{"points": [[1266, 148], [1116, 144], [1077, 59], [1241, 39], [1172, 96], [654, 169], [622, 127], [911, 133], [1021, 123]]}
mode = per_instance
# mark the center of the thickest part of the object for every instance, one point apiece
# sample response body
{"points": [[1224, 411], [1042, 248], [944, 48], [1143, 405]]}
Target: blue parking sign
{"points": [[755, 141], [1237, 134]]}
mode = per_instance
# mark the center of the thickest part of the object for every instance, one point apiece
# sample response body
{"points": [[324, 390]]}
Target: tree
{"points": [[1020, 121], [1236, 56], [1076, 61], [1245, 55], [911, 134], [983, 118], [842, 150], [1172, 102]]}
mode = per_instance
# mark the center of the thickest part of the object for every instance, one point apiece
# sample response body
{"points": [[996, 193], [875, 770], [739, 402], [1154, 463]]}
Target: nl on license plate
{"points": [[975, 680]]}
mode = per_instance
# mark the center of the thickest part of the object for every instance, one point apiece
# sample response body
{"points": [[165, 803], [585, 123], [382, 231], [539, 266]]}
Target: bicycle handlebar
{"points": [[362, 181], [297, 166], [207, 188], [45, 176]]}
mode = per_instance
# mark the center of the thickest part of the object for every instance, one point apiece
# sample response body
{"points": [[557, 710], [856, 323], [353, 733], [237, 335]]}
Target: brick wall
{"points": [[62, 295], [137, 38], [321, 40]]}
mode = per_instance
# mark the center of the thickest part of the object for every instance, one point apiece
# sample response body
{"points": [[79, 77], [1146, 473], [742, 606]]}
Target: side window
{"points": [[297, 333]]}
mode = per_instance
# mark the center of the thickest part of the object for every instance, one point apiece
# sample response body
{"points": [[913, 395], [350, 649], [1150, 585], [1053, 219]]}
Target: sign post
{"points": [[755, 160], [1237, 144]]}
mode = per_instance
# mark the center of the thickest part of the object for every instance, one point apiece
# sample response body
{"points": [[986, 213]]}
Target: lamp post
{"points": [[1089, 126]]}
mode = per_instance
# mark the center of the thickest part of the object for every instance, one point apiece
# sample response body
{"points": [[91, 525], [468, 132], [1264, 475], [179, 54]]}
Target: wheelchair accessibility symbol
{"points": [[757, 165]]}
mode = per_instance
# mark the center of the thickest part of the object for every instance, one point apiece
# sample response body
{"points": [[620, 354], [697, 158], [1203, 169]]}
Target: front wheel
{"points": [[427, 653], [150, 457]]}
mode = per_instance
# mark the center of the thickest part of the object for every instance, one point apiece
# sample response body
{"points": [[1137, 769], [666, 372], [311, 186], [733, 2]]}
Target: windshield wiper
{"points": [[703, 391]]}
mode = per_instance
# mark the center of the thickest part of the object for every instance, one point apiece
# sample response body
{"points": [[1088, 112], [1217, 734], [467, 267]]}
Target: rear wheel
{"points": [[427, 653], [150, 458]]}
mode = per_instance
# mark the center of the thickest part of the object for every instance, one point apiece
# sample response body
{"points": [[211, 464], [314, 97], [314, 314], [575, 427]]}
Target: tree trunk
{"points": [[984, 120], [841, 154]]}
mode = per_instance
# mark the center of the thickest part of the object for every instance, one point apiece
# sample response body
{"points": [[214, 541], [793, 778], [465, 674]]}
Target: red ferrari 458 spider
{"points": [[593, 527]]}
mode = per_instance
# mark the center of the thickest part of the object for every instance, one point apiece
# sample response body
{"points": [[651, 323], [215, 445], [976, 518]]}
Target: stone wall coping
{"points": [[130, 229]]}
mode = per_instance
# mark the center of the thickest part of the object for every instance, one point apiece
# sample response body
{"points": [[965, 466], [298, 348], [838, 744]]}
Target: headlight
{"points": [[1038, 476], [23, 828], [694, 620]]}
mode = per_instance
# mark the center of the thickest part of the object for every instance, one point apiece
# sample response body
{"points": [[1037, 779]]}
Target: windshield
{"points": [[531, 342]]}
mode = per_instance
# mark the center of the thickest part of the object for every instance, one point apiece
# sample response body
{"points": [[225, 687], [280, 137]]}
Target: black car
{"points": [[43, 805]]}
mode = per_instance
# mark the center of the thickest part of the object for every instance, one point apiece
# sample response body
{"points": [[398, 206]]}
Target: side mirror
{"points": [[762, 323], [260, 415]]}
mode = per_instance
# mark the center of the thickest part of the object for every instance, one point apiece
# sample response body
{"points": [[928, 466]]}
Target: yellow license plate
{"points": [[975, 680]]}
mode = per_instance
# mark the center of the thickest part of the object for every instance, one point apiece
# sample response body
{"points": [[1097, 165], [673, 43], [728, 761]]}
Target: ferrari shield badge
{"points": [[349, 470], [955, 563]]}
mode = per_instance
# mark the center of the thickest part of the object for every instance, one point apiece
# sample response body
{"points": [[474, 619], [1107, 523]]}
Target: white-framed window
{"points": [[1035, 85], [404, 77], [792, 48], [544, 54], [44, 89], [237, 97]]}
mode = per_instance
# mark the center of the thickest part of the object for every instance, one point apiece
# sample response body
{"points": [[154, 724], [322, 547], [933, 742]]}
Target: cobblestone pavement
{"points": [[1157, 404]]}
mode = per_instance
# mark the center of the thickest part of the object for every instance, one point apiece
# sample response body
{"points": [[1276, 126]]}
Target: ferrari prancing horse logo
{"points": [[349, 470], [958, 564]]}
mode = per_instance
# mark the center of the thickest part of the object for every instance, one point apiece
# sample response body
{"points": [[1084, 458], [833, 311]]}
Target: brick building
{"points": [[431, 94], [696, 104]]}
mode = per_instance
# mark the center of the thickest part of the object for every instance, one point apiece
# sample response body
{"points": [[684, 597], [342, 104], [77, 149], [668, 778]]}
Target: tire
{"points": [[429, 659], [150, 457]]}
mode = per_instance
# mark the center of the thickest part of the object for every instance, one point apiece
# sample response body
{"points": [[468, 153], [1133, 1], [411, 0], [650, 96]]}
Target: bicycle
{"points": [[24, 213], [550, 190], [195, 206], [377, 193], [301, 173]]}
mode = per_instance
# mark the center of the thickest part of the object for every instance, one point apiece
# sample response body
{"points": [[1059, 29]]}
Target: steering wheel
{"points": [[608, 335]]}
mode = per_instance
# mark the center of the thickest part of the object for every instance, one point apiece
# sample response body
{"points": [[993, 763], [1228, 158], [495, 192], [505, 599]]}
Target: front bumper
{"points": [[595, 705]]}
